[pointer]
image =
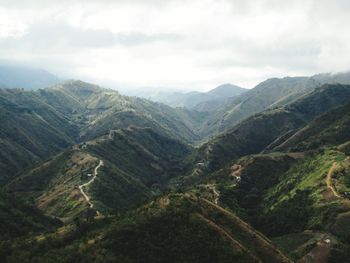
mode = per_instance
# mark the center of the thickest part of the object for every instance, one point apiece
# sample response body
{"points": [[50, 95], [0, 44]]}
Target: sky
{"points": [[177, 44]]}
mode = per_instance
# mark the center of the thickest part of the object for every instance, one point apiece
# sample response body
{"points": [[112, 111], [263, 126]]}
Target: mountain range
{"points": [[231, 175]]}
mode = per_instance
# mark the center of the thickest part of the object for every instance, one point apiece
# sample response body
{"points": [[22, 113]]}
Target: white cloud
{"points": [[186, 44]]}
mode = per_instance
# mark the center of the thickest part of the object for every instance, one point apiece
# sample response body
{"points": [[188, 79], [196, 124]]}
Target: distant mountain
{"points": [[268, 94], [192, 100], [25, 78]]}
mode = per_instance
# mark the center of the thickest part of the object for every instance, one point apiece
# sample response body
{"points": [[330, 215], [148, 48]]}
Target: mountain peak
{"points": [[226, 90]]}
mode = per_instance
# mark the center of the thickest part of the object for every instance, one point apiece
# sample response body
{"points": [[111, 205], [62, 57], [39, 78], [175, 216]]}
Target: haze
{"points": [[188, 45]]}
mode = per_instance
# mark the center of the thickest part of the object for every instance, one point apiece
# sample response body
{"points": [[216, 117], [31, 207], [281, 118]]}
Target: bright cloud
{"points": [[188, 44]]}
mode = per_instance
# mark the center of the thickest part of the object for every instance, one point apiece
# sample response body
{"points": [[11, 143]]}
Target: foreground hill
{"points": [[176, 228]]}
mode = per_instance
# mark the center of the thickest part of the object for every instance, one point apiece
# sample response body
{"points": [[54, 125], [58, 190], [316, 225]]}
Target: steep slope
{"points": [[268, 94], [271, 189], [300, 199], [137, 164], [256, 133], [24, 77], [176, 228], [99, 110], [331, 128], [43, 131], [55, 118]]}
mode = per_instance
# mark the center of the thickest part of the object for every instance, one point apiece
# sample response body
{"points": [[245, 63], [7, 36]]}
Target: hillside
{"points": [[55, 118], [42, 132], [138, 163], [329, 129], [100, 110], [267, 190], [176, 228], [271, 188], [18, 218]]}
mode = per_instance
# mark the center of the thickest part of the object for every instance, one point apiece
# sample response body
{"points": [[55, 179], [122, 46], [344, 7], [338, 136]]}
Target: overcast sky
{"points": [[194, 45]]}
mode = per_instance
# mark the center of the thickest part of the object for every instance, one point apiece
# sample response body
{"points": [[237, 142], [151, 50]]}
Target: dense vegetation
{"points": [[173, 229]]}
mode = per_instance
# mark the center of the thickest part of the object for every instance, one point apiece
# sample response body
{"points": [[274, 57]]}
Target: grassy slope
{"points": [[43, 131], [285, 194]]}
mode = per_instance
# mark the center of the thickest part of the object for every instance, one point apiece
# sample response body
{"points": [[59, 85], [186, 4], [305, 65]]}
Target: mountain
{"points": [[200, 101], [25, 77], [55, 118], [256, 133], [268, 94]]}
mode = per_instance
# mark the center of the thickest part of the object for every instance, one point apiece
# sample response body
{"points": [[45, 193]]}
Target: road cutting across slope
{"points": [[81, 187]]}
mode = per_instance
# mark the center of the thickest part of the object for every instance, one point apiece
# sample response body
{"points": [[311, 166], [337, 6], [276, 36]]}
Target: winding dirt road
{"points": [[330, 184], [87, 198]]}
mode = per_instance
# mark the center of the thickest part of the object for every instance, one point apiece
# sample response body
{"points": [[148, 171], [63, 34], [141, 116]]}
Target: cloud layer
{"points": [[189, 44]]}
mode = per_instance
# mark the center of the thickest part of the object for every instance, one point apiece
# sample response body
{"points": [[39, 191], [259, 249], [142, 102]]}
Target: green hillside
{"points": [[42, 132], [138, 163], [329, 129]]}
